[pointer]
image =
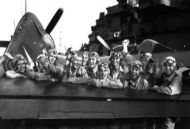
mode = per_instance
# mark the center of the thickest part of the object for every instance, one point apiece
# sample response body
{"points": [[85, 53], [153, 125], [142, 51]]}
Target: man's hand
{"points": [[126, 42], [125, 45]]}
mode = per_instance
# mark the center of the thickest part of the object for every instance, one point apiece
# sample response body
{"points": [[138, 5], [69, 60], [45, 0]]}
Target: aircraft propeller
{"points": [[128, 58], [4, 43], [54, 20], [103, 42], [49, 28], [115, 48]]}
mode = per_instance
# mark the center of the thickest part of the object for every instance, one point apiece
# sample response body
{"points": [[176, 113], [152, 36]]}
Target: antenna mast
{"points": [[60, 41], [25, 6]]}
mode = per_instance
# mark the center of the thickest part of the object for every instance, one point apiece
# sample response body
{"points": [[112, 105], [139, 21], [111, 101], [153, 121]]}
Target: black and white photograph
{"points": [[95, 64]]}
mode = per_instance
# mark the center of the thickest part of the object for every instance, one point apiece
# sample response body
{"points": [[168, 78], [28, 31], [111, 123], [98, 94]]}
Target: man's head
{"points": [[77, 59], [135, 70], [93, 60], [20, 63], [52, 53], [42, 62], [103, 70], [85, 58], [145, 57], [115, 59], [169, 65]]}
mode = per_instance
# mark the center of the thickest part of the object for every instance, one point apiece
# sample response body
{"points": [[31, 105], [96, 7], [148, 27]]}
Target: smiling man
{"points": [[20, 69], [116, 70], [170, 82], [134, 80], [104, 79], [92, 65], [75, 72]]}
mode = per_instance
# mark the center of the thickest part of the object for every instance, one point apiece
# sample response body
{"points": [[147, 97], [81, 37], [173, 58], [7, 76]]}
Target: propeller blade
{"points": [[167, 47], [103, 42], [4, 43], [29, 58], [120, 47], [54, 20]]}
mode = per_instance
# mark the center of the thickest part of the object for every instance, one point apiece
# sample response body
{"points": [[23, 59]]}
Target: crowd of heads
{"points": [[121, 71], [88, 65]]}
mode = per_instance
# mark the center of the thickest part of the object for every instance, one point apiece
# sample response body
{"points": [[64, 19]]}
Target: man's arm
{"points": [[173, 89]]}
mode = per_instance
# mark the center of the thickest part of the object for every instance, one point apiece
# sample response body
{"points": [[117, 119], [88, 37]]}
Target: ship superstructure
{"points": [[166, 21]]}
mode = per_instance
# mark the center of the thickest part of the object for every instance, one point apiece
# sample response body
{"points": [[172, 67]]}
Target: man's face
{"points": [[77, 62], [92, 62], [115, 62], [134, 72], [169, 68], [144, 58], [21, 65], [52, 56], [52, 59], [103, 73], [85, 59]]}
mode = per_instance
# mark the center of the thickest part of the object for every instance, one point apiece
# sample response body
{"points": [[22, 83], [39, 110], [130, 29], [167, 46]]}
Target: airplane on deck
{"points": [[30, 38]]}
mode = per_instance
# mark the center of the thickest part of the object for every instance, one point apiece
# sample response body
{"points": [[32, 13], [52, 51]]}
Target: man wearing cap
{"points": [[55, 68], [42, 63], [170, 84], [104, 79], [92, 65], [145, 58], [21, 68], [85, 56], [52, 56], [75, 72], [134, 80], [150, 67], [47, 68], [116, 71], [69, 55]]}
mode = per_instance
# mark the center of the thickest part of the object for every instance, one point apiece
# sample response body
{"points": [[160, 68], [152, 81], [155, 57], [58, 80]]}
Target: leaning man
{"points": [[170, 84]]}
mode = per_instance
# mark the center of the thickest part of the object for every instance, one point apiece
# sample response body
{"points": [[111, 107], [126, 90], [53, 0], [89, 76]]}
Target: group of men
{"points": [[86, 67]]}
